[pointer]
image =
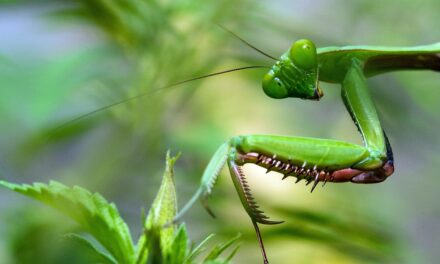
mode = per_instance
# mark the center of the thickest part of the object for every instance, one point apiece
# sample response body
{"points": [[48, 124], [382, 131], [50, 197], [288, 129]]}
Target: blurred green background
{"points": [[61, 59]]}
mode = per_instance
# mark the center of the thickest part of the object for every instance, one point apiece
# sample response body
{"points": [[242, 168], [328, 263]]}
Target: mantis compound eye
{"points": [[274, 87], [303, 54]]}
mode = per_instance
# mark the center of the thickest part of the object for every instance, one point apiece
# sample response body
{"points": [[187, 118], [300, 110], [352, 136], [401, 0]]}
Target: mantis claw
{"points": [[249, 203], [246, 197]]}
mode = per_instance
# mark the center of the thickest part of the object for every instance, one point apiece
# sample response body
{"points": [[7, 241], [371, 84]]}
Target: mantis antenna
{"points": [[247, 43], [141, 95]]}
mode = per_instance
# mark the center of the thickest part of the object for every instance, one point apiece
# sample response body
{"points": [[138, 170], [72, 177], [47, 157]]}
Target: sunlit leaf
{"points": [[91, 211], [217, 250], [100, 257], [162, 211], [164, 207], [179, 247], [198, 249]]}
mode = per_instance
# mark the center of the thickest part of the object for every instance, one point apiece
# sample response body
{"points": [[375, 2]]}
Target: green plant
{"points": [[112, 241]]}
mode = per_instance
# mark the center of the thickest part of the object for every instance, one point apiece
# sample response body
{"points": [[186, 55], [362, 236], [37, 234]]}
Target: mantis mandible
{"points": [[296, 74]]}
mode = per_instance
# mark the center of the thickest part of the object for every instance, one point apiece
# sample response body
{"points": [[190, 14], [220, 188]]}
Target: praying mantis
{"points": [[296, 74]]}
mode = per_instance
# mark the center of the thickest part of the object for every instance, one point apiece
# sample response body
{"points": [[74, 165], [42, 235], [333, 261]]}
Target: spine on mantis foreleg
{"points": [[208, 180]]}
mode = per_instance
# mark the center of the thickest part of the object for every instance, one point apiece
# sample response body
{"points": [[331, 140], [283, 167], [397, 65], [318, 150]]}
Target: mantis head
{"points": [[295, 74]]}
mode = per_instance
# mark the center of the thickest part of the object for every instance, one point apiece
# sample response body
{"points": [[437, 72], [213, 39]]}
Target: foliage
{"points": [[61, 59], [160, 242]]}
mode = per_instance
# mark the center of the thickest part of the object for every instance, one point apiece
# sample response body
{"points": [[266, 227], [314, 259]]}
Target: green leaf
{"points": [[179, 248], [91, 211], [162, 211], [233, 252], [217, 250], [155, 251], [198, 249], [101, 257], [164, 207]]}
